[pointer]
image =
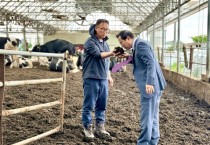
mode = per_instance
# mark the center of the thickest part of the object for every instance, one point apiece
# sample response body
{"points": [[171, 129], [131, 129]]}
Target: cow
{"points": [[56, 46], [19, 62], [7, 60], [42, 61], [57, 65], [80, 59], [9, 43]]}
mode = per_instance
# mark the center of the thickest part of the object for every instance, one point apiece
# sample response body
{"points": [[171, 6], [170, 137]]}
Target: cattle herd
{"points": [[74, 62]]}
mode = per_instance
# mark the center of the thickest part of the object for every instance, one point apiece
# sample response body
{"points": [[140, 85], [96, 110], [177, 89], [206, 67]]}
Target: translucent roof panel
{"points": [[69, 15]]}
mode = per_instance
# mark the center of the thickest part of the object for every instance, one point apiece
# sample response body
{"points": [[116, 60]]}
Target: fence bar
{"points": [[29, 108], [12, 52], [28, 82], [2, 78], [63, 93], [32, 139]]}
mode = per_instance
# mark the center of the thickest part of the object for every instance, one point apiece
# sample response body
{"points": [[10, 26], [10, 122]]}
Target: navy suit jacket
{"points": [[146, 68]]}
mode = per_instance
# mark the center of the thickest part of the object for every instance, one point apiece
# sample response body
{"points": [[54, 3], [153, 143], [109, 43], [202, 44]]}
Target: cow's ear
{"points": [[18, 40]]}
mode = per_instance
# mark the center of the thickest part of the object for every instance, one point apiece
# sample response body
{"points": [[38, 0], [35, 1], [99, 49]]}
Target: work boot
{"points": [[99, 127], [88, 131]]}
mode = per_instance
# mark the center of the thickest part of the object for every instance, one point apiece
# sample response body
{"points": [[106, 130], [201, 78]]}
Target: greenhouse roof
{"points": [[74, 15]]}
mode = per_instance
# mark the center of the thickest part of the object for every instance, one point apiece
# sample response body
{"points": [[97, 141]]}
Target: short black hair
{"points": [[124, 34], [99, 21]]}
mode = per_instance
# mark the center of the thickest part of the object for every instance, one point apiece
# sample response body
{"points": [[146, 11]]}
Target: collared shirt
{"points": [[133, 45]]}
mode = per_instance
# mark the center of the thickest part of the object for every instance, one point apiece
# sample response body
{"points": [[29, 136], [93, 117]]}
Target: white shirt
{"points": [[133, 44]]}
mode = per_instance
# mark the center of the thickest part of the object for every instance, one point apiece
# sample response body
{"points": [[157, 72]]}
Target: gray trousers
{"points": [[149, 120]]}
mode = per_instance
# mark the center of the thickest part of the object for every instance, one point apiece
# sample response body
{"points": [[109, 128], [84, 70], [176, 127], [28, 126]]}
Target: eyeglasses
{"points": [[104, 30]]}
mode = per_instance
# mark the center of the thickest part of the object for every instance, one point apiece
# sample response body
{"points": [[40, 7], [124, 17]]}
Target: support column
{"points": [[178, 35], [163, 38], [2, 71], [24, 37], [153, 35], [175, 42], [208, 44]]}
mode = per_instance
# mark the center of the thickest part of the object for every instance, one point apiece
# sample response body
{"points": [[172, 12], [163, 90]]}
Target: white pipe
{"points": [[1, 84], [29, 108], [28, 82], [38, 136], [13, 52]]}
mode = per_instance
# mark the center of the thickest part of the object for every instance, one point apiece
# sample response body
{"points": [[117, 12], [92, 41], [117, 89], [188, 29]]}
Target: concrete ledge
{"points": [[200, 89]]}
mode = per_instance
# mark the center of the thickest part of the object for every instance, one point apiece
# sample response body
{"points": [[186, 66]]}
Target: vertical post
{"points": [[185, 56], [63, 90], [153, 35], [163, 38], [158, 53], [178, 34], [7, 29], [37, 36], [2, 70], [174, 43], [191, 58], [208, 45], [24, 37]]}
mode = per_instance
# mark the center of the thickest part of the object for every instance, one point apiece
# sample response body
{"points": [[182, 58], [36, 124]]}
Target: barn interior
{"points": [[178, 31]]}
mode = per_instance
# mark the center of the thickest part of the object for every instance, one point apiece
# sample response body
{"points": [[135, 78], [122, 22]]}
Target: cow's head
{"points": [[12, 43], [75, 50], [71, 65], [36, 48]]}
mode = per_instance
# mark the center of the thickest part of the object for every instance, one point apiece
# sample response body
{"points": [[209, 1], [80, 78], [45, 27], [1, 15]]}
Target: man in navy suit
{"points": [[150, 81]]}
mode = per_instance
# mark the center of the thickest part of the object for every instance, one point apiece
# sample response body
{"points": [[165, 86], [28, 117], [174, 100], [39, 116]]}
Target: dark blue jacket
{"points": [[93, 65], [146, 68]]}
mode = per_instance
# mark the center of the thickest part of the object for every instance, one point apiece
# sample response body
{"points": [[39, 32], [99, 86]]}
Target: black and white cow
{"points": [[57, 65], [22, 62], [9, 43], [19, 62], [7, 60], [80, 59], [42, 61], [56, 46]]}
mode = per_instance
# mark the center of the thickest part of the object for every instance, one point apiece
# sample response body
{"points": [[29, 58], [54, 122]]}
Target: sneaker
{"points": [[100, 128], [88, 131]]}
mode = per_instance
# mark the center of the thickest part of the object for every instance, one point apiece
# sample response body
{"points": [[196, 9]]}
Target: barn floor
{"points": [[184, 120]]}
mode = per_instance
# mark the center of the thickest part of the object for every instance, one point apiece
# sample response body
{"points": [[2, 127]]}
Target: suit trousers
{"points": [[149, 120]]}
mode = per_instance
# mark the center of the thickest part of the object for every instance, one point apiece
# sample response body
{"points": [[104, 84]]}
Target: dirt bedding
{"points": [[184, 120]]}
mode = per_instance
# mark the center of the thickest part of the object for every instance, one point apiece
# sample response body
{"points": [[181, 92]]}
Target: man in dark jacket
{"points": [[96, 77], [150, 81]]}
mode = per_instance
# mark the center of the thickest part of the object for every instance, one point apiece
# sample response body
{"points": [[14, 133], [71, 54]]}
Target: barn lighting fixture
{"points": [[61, 17], [49, 10]]}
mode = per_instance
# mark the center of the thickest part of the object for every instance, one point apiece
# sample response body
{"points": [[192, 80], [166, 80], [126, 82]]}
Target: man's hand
{"points": [[111, 82], [125, 55], [150, 89]]}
